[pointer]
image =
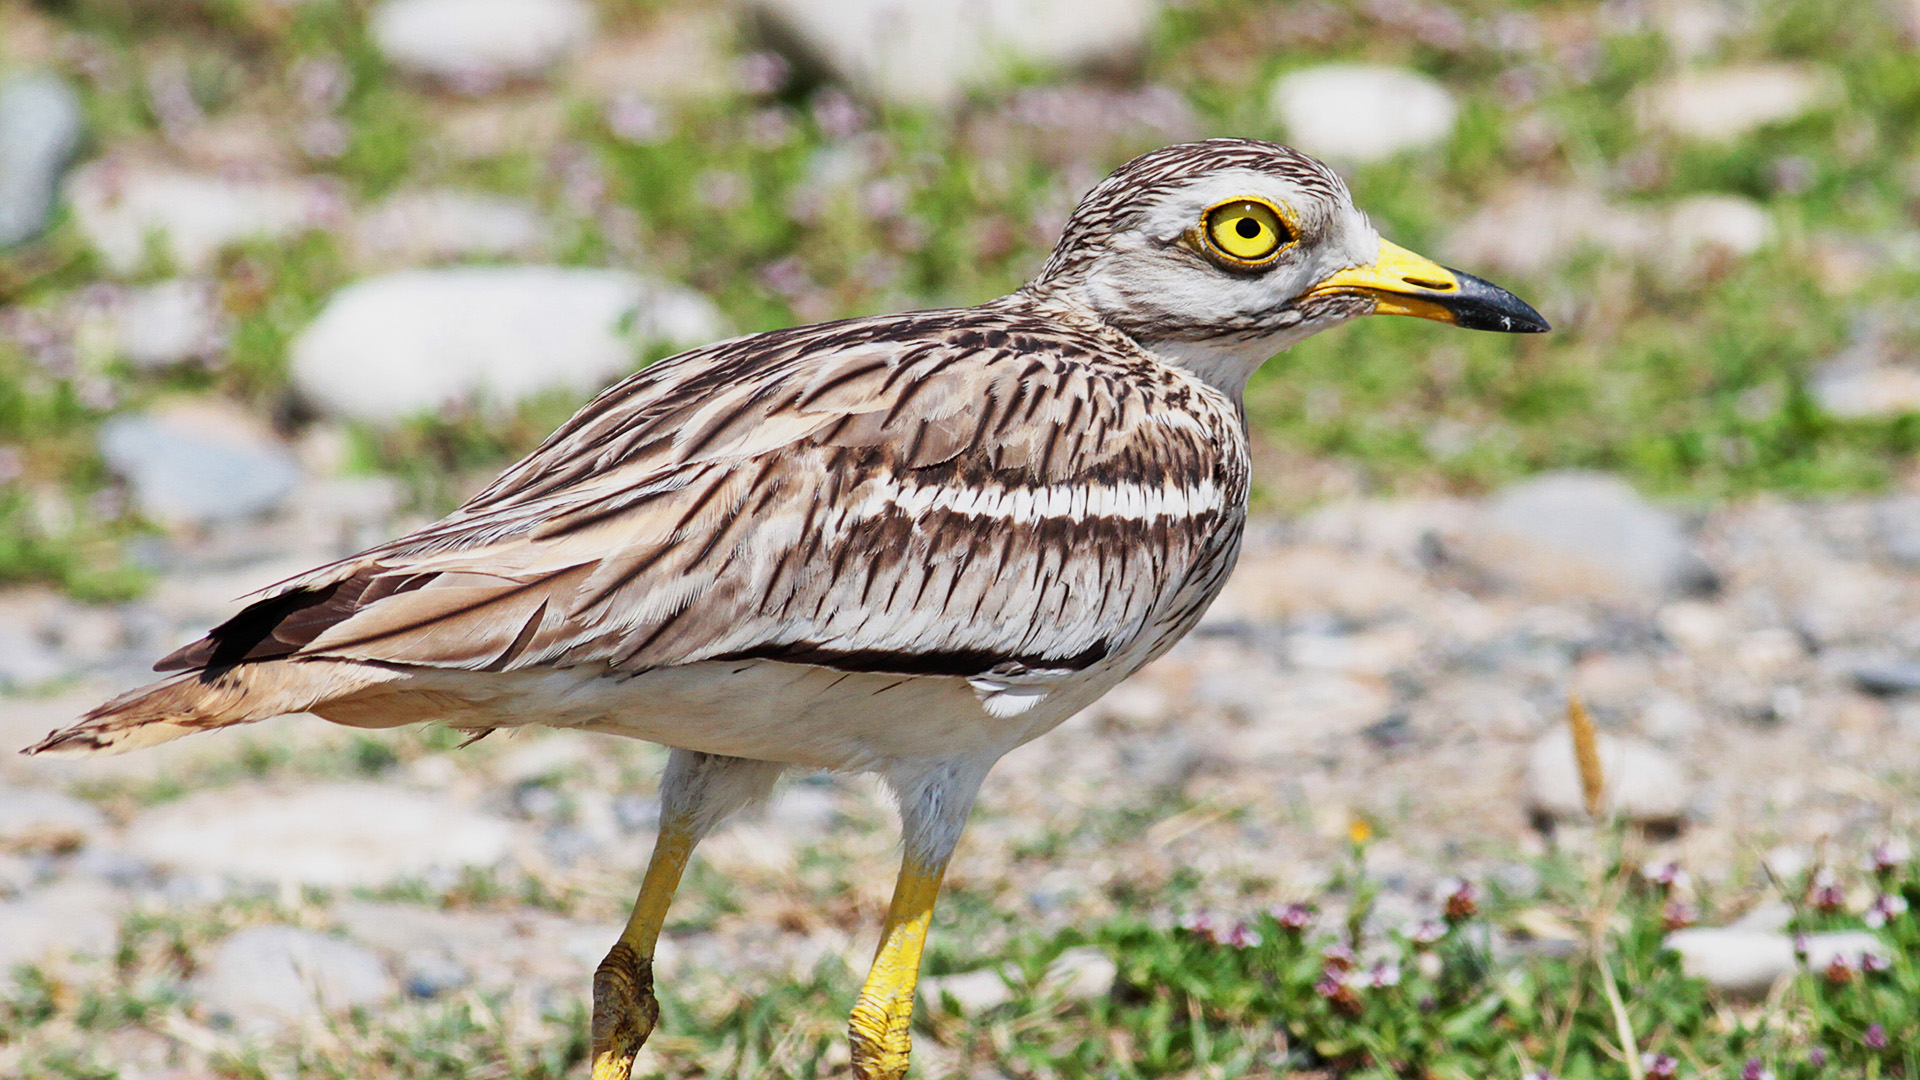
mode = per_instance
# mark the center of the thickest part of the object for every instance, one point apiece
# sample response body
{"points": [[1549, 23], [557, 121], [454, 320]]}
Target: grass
{"points": [[1490, 982], [786, 202]]}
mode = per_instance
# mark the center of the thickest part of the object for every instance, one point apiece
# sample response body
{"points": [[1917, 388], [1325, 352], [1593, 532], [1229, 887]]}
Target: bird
{"points": [[902, 544]]}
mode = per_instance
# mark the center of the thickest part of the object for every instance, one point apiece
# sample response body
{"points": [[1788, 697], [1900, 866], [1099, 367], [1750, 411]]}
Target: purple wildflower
{"points": [[1888, 856], [1755, 1069], [1839, 971], [1293, 918], [1875, 1037], [1243, 936], [1201, 925], [1885, 908], [1827, 895], [1462, 902], [1659, 1066], [1426, 932]]}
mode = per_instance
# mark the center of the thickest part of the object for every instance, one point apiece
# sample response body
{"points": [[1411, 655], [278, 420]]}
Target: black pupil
{"points": [[1247, 228]]}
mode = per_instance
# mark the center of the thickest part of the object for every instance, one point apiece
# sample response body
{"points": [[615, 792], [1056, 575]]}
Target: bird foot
{"points": [[882, 1037], [624, 1011]]}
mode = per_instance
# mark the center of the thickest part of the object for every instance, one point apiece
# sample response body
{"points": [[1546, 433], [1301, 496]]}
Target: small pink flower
{"points": [[1755, 1069], [1888, 856], [1885, 908], [1875, 1037], [1426, 932], [1659, 1066], [1872, 963], [1668, 876], [1827, 896], [1839, 971], [1243, 936], [1201, 925], [1678, 915], [1384, 974], [1462, 901], [1293, 918], [1339, 958]]}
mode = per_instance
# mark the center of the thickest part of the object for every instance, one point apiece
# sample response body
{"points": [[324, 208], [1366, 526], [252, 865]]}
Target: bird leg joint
{"points": [[624, 1011]]}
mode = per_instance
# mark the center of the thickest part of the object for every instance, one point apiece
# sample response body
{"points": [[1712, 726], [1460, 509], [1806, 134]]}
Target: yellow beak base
{"points": [[1400, 282]]}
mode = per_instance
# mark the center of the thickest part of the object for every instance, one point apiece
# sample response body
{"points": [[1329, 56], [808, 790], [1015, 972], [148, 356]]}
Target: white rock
{"points": [[168, 322], [199, 463], [328, 835], [1362, 112], [1726, 103], [1643, 783], [478, 44], [1748, 962], [421, 340], [429, 226], [1588, 535], [1737, 962], [1729, 223], [1078, 974], [1533, 228], [264, 976], [35, 819], [120, 207], [930, 52], [1853, 391]]}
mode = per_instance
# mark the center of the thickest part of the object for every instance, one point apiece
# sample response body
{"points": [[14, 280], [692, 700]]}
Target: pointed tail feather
{"points": [[201, 700]]}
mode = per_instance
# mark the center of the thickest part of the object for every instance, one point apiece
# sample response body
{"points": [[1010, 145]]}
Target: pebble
{"points": [[66, 918], [41, 126], [1854, 391], [28, 659], [169, 322], [38, 820], [1081, 973], [1723, 104], [476, 45], [324, 835], [929, 53], [1583, 535], [1644, 784], [1748, 963], [1361, 113], [446, 224], [428, 340], [1888, 677], [120, 206], [1739, 963], [1532, 228], [266, 976], [198, 464], [1897, 524]]}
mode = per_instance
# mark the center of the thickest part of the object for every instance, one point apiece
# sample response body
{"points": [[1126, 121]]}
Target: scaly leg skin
{"points": [[881, 1026], [624, 1008]]}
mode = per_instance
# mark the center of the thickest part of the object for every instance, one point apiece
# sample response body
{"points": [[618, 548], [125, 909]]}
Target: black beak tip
{"points": [[1482, 305]]}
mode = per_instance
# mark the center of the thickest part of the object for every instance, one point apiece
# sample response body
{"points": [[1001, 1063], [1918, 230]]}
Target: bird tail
{"points": [[203, 699]]}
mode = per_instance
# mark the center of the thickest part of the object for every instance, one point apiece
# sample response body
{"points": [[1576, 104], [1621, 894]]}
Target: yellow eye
{"points": [[1246, 231]]}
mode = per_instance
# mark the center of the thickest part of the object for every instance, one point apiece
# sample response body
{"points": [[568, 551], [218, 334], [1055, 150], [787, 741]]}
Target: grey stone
{"points": [[445, 224], [27, 659], [1888, 677], [931, 52], [1362, 112], [1583, 535], [426, 340], [121, 207], [1897, 522], [328, 835], [1643, 783], [41, 126], [39, 820], [198, 464], [266, 976], [67, 918], [476, 45]]}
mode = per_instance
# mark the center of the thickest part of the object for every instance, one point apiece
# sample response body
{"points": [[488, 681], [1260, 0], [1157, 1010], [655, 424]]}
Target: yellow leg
{"points": [[882, 1019], [624, 1009]]}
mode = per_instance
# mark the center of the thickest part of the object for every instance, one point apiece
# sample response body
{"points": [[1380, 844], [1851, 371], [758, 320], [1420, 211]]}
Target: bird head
{"points": [[1215, 255]]}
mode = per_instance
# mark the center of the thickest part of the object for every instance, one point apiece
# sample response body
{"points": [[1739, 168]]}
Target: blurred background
{"points": [[281, 278]]}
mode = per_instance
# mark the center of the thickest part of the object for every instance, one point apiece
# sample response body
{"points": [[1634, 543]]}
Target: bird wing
{"points": [[945, 492]]}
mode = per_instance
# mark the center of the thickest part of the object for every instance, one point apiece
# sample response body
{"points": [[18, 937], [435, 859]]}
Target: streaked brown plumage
{"points": [[905, 543]]}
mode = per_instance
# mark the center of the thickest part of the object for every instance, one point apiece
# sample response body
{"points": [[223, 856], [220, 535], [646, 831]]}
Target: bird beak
{"points": [[1402, 283]]}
